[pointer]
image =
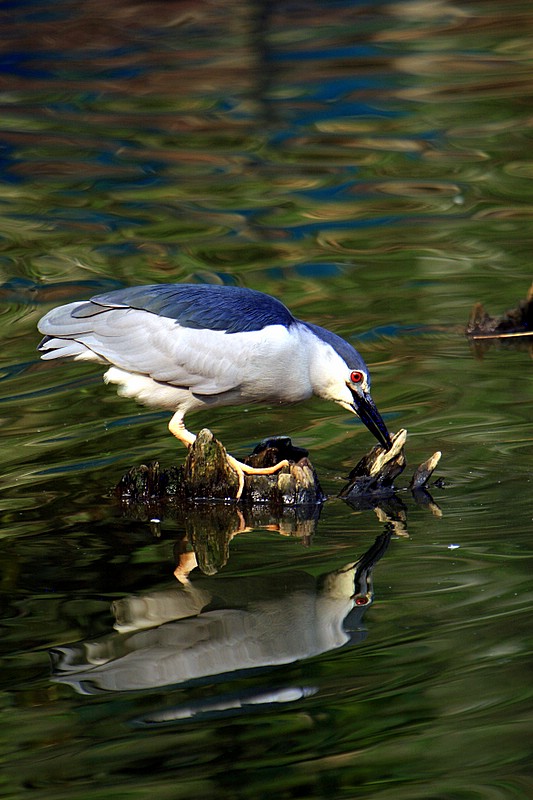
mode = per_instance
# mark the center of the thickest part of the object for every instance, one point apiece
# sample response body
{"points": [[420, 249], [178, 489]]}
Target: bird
{"points": [[184, 347]]}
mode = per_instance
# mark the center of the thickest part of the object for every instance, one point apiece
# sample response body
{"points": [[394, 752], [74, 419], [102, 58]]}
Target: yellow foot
{"points": [[244, 469]]}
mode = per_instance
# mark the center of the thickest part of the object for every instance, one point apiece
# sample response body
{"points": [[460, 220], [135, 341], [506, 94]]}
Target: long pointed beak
{"points": [[367, 411]]}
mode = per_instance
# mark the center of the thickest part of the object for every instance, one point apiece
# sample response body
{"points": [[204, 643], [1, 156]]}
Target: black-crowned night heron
{"points": [[185, 347]]}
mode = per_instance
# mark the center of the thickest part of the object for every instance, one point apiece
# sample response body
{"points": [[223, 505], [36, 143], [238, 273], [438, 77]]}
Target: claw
{"points": [[244, 469]]}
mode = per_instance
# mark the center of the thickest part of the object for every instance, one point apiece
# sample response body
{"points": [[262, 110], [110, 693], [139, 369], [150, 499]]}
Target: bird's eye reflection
{"points": [[361, 601]]}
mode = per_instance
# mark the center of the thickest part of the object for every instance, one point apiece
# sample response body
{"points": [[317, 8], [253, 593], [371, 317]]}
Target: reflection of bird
{"points": [[184, 347], [177, 635]]}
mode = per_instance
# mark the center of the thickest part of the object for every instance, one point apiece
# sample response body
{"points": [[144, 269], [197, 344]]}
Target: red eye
{"points": [[361, 601], [356, 376]]}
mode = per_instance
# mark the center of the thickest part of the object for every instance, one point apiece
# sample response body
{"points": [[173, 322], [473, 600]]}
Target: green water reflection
{"points": [[371, 166]]}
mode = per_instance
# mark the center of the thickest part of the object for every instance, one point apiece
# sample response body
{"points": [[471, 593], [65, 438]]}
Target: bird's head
{"points": [[339, 373], [359, 401]]}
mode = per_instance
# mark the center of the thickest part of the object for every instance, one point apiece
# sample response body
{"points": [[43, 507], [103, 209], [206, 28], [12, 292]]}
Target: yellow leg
{"points": [[244, 469], [177, 428]]}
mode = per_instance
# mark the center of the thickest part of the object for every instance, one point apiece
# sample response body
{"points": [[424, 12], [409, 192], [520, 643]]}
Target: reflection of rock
{"points": [[150, 494], [211, 627], [209, 531], [211, 527]]}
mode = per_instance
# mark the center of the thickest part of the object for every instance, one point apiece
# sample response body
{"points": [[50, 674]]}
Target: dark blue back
{"points": [[218, 308]]}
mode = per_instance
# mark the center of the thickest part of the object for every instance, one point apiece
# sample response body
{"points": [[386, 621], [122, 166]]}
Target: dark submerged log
{"points": [[206, 475], [515, 323], [375, 473], [424, 471], [297, 484], [371, 483]]}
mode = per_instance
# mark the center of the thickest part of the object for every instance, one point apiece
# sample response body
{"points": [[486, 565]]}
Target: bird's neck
{"points": [[326, 369]]}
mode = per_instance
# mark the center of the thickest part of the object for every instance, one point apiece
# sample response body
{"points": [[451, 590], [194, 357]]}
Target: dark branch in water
{"points": [[514, 324], [207, 476], [371, 483]]}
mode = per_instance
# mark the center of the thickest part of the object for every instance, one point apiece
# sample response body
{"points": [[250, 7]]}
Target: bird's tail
{"points": [[63, 332]]}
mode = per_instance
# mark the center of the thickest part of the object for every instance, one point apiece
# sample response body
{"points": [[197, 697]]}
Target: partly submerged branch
{"points": [[514, 326]]}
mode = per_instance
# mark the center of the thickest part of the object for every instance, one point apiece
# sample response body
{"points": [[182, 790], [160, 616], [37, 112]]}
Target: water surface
{"points": [[369, 164]]}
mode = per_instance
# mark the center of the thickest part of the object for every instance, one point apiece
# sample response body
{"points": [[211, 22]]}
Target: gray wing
{"points": [[208, 362]]}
